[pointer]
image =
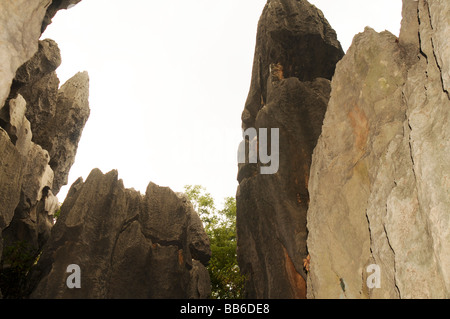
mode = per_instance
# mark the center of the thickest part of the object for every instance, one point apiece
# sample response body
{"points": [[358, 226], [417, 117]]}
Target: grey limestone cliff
{"points": [[380, 173]]}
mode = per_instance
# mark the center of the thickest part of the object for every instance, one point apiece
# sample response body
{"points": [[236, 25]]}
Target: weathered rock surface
{"points": [[11, 176], [53, 8], [40, 124], [24, 172], [14, 122], [37, 82], [21, 23], [296, 35], [127, 245], [32, 161], [65, 129], [57, 115], [46, 60], [295, 56], [49, 143], [380, 174]]}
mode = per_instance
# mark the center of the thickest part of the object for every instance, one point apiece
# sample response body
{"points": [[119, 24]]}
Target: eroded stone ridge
{"points": [[40, 124], [127, 245]]}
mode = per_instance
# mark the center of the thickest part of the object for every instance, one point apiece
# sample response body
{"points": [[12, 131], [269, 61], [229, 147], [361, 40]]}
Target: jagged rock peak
{"points": [[23, 21], [57, 115], [72, 113], [77, 88], [296, 35], [46, 60], [295, 57], [127, 245]]}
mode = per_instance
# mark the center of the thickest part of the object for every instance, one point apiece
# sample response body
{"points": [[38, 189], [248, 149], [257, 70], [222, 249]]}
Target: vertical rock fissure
{"points": [[440, 70], [419, 20], [393, 253], [436, 60], [123, 228]]}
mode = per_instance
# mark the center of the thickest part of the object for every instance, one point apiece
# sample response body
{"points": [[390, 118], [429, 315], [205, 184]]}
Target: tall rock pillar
{"points": [[379, 217], [295, 58]]}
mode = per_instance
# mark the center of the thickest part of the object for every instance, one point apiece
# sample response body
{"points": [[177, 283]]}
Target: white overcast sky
{"points": [[169, 79]]}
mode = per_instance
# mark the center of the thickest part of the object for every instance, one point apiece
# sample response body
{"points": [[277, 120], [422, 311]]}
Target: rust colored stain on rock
{"points": [[360, 125], [297, 283]]}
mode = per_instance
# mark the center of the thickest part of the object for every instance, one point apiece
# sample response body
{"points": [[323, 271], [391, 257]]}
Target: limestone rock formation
{"points": [[57, 115], [53, 8], [46, 60], [37, 82], [67, 125], [32, 163], [25, 171], [11, 176], [296, 35], [127, 245], [19, 40], [41, 124], [45, 125], [24, 21], [295, 56], [380, 174]]}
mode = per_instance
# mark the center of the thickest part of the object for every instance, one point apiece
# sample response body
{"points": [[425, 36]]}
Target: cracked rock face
{"points": [[65, 129], [24, 22], [380, 173], [18, 41], [44, 124], [296, 35], [28, 99], [24, 172], [295, 56], [57, 115], [127, 245], [11, 173]]}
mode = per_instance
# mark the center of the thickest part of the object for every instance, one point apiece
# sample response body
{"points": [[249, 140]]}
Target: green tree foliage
{"points": [[16, 261], [220, 225], [57, 213]]}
